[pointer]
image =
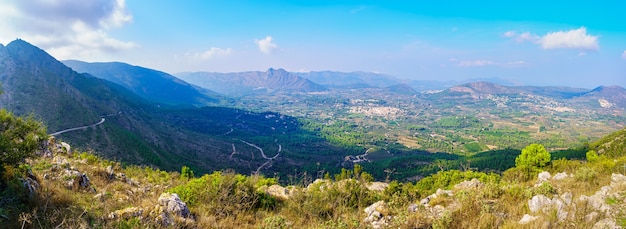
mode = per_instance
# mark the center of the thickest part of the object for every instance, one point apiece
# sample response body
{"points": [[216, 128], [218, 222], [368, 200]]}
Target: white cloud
{"points": [[475, 63], [624, 55], [572, 39], [483, 63], [66, 28], [266, 45], [509, 34], [213, 52]]}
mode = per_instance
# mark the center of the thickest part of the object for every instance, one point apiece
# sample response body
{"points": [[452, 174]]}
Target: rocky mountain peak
{"points": [[24, 53]]}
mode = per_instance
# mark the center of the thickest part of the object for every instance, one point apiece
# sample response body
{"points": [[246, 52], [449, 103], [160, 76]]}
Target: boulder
{"points": [[377, 186], [538, 203], [413, 208], [441, 192], [544, 204], [377, 215], [474, 183], [618, 180], [559, 176], [65, 148], [606, 224], [543, 176], [126, 213], [278, 192], [172, 204], [31, 185], [567, 198], [591, 216], [527, 219]]}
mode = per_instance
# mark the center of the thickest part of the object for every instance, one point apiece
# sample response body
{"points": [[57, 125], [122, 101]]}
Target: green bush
{"points": [[225, 193], [447, 179], [532, 159], [19, 138]]}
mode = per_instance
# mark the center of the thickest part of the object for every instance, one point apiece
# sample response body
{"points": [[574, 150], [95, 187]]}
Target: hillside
{"points": [[152, 85], [138, 131], [64, 188], [244, 83]]}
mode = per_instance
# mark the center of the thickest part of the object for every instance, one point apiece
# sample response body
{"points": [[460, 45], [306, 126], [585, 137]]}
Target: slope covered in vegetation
{"points": [[61, 187]]}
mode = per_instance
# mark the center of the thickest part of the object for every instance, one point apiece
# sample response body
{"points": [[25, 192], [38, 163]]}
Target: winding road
{"points": [[78, 128], [85, 127]]}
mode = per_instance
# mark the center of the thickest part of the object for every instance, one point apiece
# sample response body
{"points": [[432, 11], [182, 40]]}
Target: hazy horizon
{"points": [[534, 43]]}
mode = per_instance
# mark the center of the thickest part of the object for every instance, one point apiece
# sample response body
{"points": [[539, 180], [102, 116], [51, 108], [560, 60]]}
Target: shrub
{"points": [[19, 138], [532, 158]]}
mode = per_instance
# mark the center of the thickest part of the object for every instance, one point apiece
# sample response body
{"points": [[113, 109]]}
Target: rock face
{"points": [[377, 215]]}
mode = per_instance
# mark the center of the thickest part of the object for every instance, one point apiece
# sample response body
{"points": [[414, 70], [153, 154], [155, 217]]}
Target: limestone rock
{"points": [[377, 186], [527, 219], [413, 208], [543, 176], [173, 205], [377, 214], [538, 203], [618, 180], [559, 176], [278, 192], [441, 192], [474, 183], [606, 224], [126, 213], [110, 172], [541, 203], [65, 148], [591, 216]]}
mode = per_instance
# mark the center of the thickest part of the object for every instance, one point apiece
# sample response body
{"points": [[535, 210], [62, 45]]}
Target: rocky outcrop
{"points": [[566, 206], [598, 200], [77, 180], [126, 213], [278, 192], [377, 186], [171, 210], [377, 215], [474, 183], [173, 205], [541, 203]]}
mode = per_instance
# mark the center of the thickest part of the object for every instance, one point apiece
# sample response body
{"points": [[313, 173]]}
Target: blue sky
{"points": [[571, 43]]}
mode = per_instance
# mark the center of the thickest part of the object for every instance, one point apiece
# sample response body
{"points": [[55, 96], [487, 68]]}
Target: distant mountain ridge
{"points": [[244, 83], [152, 85], [347, 79], [602, 96]]}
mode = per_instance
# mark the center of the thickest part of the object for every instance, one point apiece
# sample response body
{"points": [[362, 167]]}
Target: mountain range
{"points": [[142, 131], [152, 85], [245, 83]]}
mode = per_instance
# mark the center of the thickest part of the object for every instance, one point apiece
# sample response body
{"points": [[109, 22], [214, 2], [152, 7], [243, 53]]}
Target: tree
{"points": [[186, 173], [19, 138], [532, 158]]}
